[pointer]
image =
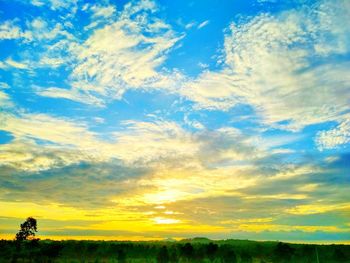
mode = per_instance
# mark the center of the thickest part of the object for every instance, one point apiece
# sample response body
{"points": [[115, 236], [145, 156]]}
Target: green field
{"points": [[191, 250]]}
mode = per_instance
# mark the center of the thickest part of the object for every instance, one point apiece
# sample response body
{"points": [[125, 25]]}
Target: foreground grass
{"points": [[194, 250]]}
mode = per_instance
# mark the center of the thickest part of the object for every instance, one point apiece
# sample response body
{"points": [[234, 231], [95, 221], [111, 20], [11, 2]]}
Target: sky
{"points": [[147, 119]]}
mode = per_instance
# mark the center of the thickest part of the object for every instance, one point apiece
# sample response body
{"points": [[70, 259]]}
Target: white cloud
{"points": [[203, 24], [99, 120], [332, 33], [193, 123], [190, 25], [4, 85], [40, 30], [203, 65], [38, 23], [16, 64], [51, 41], [103, 11], [211, 91], [266, 1], [42, 142], [10, 64], [145, 142], [47, 128], [124, 54], [37, 3], [334, 138], [57, 4], [35, 30], [5, 100], [137, 143], [71, 94], [51, 62], [28, 156], [8, 30], [270, 64], [150, 144]]}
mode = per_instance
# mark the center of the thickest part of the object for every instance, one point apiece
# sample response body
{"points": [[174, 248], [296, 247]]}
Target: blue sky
{"points": [[153, 119]]}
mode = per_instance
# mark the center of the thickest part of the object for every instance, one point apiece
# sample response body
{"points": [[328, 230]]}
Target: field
{"points": [[191, 250]]}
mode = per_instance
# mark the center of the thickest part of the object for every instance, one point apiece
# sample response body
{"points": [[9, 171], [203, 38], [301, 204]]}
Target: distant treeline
{"points": [[194, 250]]}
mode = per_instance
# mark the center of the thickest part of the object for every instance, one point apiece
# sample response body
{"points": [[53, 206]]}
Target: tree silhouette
{"points": [[28, 229]]}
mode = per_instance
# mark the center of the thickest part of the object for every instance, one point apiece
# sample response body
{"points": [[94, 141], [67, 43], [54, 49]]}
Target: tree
{"points": [[163, 255], [211, 250], [283, 252], [228, 255], [246, 257], [121, 256], [187, 251], [173, 257], [339, 256], [28, 229]]}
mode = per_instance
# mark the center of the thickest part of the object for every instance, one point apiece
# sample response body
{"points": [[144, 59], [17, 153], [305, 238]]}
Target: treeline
{"points": [[195, 250]]}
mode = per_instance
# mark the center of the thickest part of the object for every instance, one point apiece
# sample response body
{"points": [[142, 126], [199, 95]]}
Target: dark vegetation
{"points": [[203, 250], [28, 249]]}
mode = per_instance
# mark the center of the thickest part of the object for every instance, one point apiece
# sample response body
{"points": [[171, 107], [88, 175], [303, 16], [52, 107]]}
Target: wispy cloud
{"points": [[284, 74], [9, 30], [47, 128], [203, 24], [57, 4], [5, 100], [103, 11], [71, 94], [334, 138], [15, 64], [120, 56], [190, 25]]}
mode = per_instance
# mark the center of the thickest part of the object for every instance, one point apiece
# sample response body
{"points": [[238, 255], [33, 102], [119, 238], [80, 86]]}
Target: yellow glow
{"points": [[166, 196], [317, 208], [52, 211], [308, 187], [166, 221], [247, 220]]}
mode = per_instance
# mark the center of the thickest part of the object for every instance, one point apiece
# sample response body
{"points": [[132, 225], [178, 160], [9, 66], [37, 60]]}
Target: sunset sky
{"points": [[161, 119]]}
